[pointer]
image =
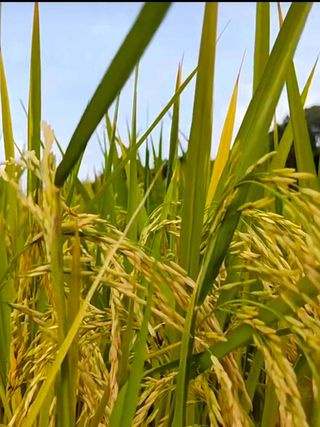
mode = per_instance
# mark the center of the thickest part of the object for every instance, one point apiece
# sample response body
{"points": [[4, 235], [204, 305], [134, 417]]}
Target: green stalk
{"points": [[73, 305], [270, 414], [6, 297], [253, 377], [125, 406], [133, 235], [63, 383]]}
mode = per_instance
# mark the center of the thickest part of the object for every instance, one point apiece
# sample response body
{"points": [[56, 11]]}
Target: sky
{"points": [[79, 40]]}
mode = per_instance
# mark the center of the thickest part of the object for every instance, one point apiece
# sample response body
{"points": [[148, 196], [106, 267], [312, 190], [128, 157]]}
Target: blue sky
{"points": [[79, 40]]}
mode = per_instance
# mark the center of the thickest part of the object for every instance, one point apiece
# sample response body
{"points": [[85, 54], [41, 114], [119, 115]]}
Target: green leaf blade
{"points": [[114, 79]]}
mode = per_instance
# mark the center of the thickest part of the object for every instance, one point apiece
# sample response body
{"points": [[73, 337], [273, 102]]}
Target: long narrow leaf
{"points": [[34, 110], [114, 79], [199, 148], [174, 134], [198, 158], [6, 295], [262, 38], [10, 210], [225, 143], [6, 114], [125, 407], [283, 149]]}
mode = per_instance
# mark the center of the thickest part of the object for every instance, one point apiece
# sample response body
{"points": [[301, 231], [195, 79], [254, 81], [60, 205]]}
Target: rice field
{"points": [[167, 292]]}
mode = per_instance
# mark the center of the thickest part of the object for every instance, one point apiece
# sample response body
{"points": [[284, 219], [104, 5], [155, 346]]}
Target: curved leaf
{"points": [[113, 81]]}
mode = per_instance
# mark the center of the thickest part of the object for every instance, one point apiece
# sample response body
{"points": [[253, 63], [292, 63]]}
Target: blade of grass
{"points": [[119, 184], [127, 336], [275, 133], [73, 305], [146, 181], [132, 178], [261, 55], [108, 198], [34, 109], [199, 148], [253, 376], [10, 211], [6, 295], [6, 114], [63, 384], [197, 168], [262, 38], [154, 154], [125, 407], [279, 160], [74, 181], [270, 415], [140, 35], [174, 134], [225, 142], [159, 158], [11, 208], [142, 217]]}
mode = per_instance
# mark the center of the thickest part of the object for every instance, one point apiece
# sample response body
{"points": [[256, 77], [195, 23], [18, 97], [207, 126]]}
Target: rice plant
{"points": [[179, 293]]}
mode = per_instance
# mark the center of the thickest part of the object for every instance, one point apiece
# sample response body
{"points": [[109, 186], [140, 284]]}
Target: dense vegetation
{"points": [[182, 297]]}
